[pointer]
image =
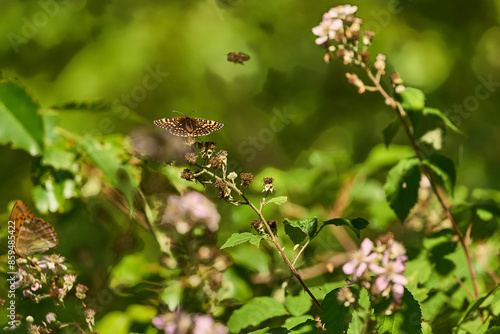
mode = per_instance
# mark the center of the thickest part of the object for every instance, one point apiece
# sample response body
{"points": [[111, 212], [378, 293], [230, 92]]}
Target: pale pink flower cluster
{"points": [[340, 31], [379, 267], [189, 209], [182, 323], [332, 23]]}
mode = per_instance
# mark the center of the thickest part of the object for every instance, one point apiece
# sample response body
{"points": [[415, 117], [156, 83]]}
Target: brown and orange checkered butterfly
{"points": [[32, 235], [188, 126]]}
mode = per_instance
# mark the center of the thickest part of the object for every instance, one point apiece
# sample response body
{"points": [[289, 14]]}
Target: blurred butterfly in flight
{"points": [[237, 57], [32, 235]]}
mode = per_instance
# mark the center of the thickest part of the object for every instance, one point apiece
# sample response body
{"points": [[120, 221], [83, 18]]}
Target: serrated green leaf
{"points": [[408, 320], [401, 187], [334, 315], [356, 324], [255, 312], [444, 168], [356, 224], [411, 99], [446, 120], [239, 238], [298, 230], [390, 131], [20, 121], [298, 305], [277, 200]]}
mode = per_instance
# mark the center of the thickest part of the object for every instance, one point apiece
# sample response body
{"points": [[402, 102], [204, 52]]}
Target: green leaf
{"points": [[356, 224], [255, 312], [172, 294], [298, 230], [411, 99], [390, 131], [474, 307], [298, 305], [334, 315], [303, 324], [446, 120], [114, 322], [408, 320], [433, 305], [20, 121], [356, 324], [239, 238], [321, 291], [277, 200], [444, 169], [401, 187]]}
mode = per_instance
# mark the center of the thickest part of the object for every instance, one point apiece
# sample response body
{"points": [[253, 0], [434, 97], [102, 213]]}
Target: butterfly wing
{"points": [[20, 212], [204, 127], [35, 236], [174, 125], [32, 235]]}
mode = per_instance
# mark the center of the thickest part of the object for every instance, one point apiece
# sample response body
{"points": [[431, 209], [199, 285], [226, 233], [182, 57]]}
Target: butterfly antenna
{"points": [[179, 112]]}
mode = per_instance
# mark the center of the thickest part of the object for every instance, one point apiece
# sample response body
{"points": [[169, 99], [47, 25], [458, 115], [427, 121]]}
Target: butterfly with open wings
{"points": [[188, 126]]}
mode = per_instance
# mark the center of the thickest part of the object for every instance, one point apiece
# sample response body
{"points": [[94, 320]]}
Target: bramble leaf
{"points": [[446, 120], [444, 168], [407, 320], [254, 312], [411, 99], [239, 238], [401, 187], [390, 131], [298, 230], [20, 121], [335, 316], [277, 200], [356, 224]]}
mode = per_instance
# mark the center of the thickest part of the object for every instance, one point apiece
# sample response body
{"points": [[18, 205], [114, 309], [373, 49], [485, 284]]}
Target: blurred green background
{"points": [[287, 114], [79, 50]]}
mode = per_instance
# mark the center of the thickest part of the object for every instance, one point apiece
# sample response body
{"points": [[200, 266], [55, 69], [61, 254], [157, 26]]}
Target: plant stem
{"points": [[398, 108], [276, 243]]}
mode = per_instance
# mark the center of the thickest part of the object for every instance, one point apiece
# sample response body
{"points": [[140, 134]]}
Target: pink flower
{"points": [[379, 267], [326, 29], [390, 276], [360, 260], [185, 211], [36, 286], [342, 11]]}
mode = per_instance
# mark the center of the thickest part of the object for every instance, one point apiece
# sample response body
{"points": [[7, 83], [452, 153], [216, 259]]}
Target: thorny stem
{"points": [[398, 108], [273, 237], [280, 249]]}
